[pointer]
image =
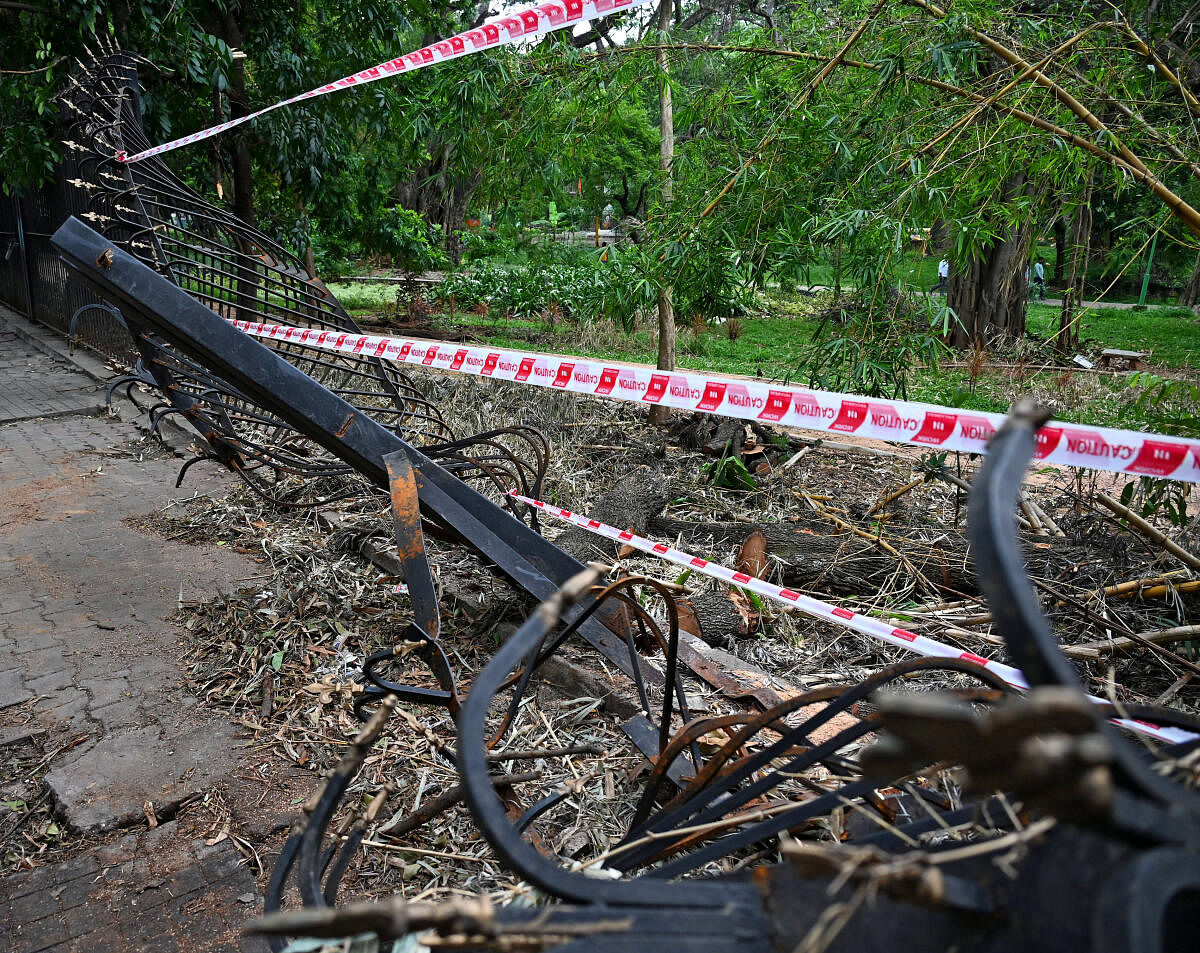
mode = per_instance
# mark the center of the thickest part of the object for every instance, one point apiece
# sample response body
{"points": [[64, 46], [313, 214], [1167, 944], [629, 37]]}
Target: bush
{"points": [[413, 244], [618, 283], [571, 284], [872, 347]]}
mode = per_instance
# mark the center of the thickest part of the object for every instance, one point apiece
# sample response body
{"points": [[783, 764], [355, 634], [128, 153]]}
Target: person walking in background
{"points": [[943, 275], [1039, 276]]}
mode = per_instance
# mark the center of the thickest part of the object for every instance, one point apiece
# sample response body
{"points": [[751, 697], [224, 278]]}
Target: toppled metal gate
{"points": [[1095, 845]]}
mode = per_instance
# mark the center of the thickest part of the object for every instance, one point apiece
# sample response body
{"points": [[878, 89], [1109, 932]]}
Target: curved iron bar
{"points": [[430, 652], [709, 802], [239, 272], [669, 646], [488, 809], [991, 525], [773, 719], [280, 872]]}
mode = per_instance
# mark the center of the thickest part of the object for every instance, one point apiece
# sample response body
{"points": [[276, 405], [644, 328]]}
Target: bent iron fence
{"points": [[34, 282], [1107, 829]]}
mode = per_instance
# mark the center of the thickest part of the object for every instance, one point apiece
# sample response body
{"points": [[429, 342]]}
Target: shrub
{"points": [[413, 244], [872, 347]]}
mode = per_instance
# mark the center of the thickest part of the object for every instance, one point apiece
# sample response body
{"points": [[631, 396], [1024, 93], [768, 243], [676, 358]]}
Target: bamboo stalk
{"points": [[1049, 523], [1181, 633], [1136, 168], [862, 534], [1159, 592], [1161, 68], [1130, 588], [1153, 587], [1183, 211], [1031, 514], [796, 458], [892, 497], [1154, 535], [1174, 689]]}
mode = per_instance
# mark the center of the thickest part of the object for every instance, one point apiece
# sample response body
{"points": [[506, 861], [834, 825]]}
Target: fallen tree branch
{"points": [[1182, 633], [402, 824], [1155, 536], [1037, 122], [1181, 209]]}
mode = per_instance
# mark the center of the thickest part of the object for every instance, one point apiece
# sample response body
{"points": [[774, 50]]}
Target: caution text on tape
{"points": [[918, 424]]}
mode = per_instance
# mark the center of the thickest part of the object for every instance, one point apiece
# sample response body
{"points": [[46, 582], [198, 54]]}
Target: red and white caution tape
{"points": [[922, 425], [847, 618], [525, 24]]}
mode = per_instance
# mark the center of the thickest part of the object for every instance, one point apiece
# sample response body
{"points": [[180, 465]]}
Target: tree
{"points": [[988, 285], [666, 159]]}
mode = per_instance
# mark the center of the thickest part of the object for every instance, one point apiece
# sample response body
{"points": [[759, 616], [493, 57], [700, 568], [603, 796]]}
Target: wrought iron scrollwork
{"points": [[240, 273]]}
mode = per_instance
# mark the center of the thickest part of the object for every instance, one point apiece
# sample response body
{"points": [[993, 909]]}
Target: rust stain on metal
{"points": [[406, 508], [341, 431]]}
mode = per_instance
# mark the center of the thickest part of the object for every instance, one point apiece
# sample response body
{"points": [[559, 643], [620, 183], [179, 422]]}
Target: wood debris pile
{"points": [[874, 529]]}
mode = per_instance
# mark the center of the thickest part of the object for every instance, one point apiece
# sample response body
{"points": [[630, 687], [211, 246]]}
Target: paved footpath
{"points": [[90, 674]]}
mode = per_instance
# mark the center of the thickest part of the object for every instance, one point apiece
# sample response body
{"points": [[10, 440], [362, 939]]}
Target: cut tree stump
{"points": [[630, 505]]}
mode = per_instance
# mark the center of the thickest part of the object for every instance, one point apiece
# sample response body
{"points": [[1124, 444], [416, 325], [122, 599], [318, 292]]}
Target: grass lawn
{"points": [[772, 343], [1170, 334]]}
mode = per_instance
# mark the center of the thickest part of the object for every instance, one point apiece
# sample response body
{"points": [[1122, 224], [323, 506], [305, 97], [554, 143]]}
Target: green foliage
{"points": [[358, 297], [1171, 405], [617, 284], [519, 291], [623, 286], [1152, 496], [729, 472], [865, 347], [1170, 335], [413, 243], [824, 188]]}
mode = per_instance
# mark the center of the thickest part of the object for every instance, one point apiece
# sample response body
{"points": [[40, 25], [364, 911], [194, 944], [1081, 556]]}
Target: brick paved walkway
{"points": [[87, 659], [120, 898], [37, 384]]}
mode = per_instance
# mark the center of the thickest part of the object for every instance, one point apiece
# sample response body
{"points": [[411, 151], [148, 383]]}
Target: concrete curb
{"points": [[179, 439], [48, 341]]}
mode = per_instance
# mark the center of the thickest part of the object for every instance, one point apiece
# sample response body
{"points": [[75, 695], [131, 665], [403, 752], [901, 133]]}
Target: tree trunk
{"points": [[1191, 294], [666, 157], [243, 172], [440, 195], [1060, 248], [239, 105], [1067, 339], [989, 293], [633, 503], [939, 236]]}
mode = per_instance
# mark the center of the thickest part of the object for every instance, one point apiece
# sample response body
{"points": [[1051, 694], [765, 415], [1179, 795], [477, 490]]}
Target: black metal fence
{"points": [[36, 284]]}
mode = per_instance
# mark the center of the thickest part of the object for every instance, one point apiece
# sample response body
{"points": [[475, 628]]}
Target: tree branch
{"points": [[1182, 210], [1080, 142], [800, 100], [1140, 46], [30, 8]]}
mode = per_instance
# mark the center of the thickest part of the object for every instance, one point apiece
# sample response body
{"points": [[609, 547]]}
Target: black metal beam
{"points": [[155, 304]]}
